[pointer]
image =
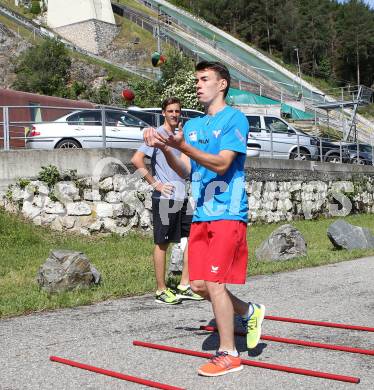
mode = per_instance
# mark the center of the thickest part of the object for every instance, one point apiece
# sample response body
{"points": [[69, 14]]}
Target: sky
{"points": [[369, 2]]}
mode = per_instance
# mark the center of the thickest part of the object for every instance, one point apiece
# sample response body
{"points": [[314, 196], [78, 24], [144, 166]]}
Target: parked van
{"points": [[278, 139]]}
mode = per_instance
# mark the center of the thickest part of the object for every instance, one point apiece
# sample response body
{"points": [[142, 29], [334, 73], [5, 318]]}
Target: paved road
{"points": [[102, 335]]}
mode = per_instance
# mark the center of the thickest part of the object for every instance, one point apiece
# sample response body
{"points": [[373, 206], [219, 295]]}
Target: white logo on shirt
{"points": [[216, 133], [214, 269], [193, 136]]}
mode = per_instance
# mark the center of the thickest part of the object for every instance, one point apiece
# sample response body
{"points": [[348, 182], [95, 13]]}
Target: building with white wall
{"points": [[65, 12], [89, 24]]}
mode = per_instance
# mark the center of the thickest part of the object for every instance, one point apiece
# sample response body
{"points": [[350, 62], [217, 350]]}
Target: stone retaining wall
{"points": [[91, 35], [107, 197], [119, 203], [115, 204]]}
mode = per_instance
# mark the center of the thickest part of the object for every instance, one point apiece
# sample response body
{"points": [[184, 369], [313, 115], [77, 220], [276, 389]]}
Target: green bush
{"points": [[35, 8], [49, 175], [43, 68]]}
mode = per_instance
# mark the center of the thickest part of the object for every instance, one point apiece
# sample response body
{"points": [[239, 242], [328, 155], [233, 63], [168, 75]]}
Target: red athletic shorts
{"points": [[218, 252]]}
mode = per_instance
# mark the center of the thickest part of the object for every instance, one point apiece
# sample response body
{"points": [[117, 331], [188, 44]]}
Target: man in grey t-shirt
{"points": [[171, 222]]}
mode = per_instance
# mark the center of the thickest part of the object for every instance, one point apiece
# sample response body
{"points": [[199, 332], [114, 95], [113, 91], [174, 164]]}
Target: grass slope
{"points": [[126, 263]]}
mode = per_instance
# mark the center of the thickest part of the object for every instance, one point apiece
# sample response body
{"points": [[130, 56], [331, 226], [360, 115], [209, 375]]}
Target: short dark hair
{"points": [[170, 100], [221, 71]]}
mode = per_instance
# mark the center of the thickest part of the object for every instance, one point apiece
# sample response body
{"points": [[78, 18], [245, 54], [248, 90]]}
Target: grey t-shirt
{"points": [[162, 172]]}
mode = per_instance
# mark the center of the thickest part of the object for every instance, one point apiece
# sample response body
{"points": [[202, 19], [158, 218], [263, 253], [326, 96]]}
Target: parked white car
{"points": [[83, 129], [278, 139]]}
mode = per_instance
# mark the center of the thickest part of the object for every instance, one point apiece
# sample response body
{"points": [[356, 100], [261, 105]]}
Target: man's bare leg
{"points": [[185, 291], [159, 259], [185, 280], [240, 307], [224, 313]]}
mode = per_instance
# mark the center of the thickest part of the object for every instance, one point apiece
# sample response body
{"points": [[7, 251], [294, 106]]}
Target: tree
{"points": [[44, 68], [146, 93], [183, 87], [356, 31], [35, 7], [177, 79], [342, 32]]}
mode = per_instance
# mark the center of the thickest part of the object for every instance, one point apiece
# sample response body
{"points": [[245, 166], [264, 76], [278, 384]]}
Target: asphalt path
{"points": [[102, 335]]}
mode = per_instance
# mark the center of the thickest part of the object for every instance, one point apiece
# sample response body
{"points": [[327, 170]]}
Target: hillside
{"points": [[334, 40], [11, 46], [131, 48]]}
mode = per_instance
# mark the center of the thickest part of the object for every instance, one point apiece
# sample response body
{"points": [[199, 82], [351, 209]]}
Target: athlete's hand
{"points": [[166, 189], [149, 136], [173, 140]]}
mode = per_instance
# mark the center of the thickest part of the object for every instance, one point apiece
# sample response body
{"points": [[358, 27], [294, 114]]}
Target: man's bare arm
{"points": [[138, 161], [181, 165]]}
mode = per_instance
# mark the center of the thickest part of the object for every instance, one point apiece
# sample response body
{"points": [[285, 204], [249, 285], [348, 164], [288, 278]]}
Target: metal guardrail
{"points": [[268, 142]]}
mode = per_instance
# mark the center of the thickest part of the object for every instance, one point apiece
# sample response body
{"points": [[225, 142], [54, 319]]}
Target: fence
{"points": [[47, 127]]}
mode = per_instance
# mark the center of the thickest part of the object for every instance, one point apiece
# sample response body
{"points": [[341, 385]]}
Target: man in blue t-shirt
{"points": [[213, 152]]}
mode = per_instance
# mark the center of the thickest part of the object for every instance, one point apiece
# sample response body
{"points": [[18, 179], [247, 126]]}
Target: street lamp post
{"points": [[299, 70]]}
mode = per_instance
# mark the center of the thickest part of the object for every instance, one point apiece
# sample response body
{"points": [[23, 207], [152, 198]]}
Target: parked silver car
{"points": [[83, 129], [278, 139]]}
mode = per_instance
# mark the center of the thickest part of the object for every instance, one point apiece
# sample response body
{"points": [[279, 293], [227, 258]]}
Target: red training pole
{"points": [[253, 363], [320, 323], [114, 374], [301, 342]]}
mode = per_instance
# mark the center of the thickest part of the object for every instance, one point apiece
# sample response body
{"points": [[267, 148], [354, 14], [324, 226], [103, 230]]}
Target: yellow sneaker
{"points": [[167, 297], [253, 325], [187, 293]]}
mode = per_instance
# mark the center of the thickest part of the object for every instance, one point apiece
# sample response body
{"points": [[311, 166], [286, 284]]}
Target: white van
{"points": [[278, 139]]}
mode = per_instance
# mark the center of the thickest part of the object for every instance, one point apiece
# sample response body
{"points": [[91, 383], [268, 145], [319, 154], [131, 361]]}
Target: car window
{"points": [[254, 124], [73, 119], [113, 118], [118, 118], [275, 124], [190, 114], [365, 148], [130, 120], [147, 117], [362, 148], [86, 118]]}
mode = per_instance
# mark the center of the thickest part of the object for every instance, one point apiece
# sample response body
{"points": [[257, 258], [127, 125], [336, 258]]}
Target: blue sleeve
{"points": [[235, 134], [147, 150], [186, 129]]}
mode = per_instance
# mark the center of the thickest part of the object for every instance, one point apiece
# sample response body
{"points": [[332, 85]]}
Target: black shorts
{"points": [[170, 220]]}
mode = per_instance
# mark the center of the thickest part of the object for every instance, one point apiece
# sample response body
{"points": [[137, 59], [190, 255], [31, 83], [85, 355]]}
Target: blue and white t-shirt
{"points": [[219, 197], [162, 172]]}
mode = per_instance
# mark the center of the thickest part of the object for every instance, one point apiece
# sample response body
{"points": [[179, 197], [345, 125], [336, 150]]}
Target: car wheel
{"points": [[68, 144], [334, 158], [358, 161], [303, 155]]}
